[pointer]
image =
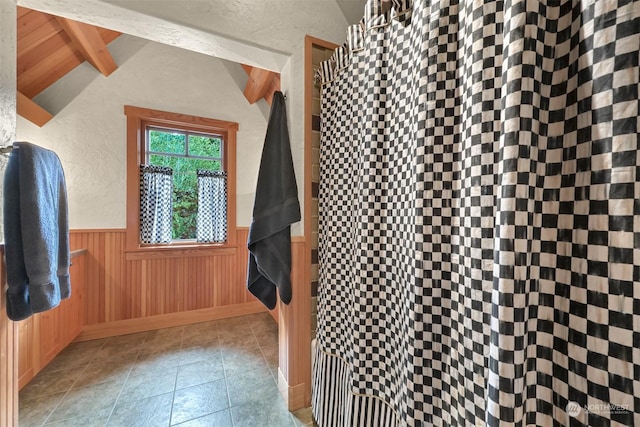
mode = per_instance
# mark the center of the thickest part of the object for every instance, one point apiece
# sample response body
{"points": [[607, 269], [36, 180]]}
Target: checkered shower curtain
{"points": [[211, 223], [156, 207], [479, 220]]}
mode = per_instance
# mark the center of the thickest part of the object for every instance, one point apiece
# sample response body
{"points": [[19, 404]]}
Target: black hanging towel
{"points": [[276, 207]]}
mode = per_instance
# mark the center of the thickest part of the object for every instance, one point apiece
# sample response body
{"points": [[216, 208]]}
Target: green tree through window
{"points": [[184, 152]]}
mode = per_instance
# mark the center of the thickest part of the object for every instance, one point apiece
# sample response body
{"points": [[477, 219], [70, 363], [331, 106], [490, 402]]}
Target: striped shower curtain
{"points": [[479, 209]]}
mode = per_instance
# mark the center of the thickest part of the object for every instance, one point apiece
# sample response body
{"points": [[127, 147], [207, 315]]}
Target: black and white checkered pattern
{"points": [[479, 241], [156, 205], [211, 223]]}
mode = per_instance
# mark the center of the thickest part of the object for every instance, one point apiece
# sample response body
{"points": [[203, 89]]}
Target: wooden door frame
{"points": [[304, 316]]}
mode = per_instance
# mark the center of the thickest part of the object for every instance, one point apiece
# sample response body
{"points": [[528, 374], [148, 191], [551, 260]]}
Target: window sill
{"points": [[178, 251]]}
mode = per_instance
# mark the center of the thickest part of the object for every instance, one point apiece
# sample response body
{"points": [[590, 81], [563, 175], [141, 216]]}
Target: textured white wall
{"points": [[89, 130], [7, 85]]}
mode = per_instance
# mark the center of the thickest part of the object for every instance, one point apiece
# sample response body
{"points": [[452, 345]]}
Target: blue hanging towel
{"points": [[276, 207], [36, 230]]}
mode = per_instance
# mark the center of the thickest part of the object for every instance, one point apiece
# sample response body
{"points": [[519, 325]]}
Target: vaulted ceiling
{"points": [[50, 46]]}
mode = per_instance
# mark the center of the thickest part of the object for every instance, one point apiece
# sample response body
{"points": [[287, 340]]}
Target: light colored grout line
{"points": [[113, 408], [175, 383]]}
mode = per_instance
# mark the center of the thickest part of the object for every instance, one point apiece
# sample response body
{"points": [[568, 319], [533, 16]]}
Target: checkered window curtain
{"points": [[212, 207], [479, 236], [156, 208]]}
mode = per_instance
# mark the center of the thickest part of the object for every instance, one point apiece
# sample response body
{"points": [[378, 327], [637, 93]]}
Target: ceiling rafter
{"points": [[31, 111], [88, 41], [48, 48], [261, 84]]}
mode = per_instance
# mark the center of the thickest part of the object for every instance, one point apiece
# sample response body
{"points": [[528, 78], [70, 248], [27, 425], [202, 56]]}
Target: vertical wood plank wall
{"points": [[294, 377], [8, 359], [119, 289], [43, 336]]}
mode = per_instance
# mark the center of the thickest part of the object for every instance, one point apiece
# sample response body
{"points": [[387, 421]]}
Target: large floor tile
{"points": [[196, 401], [237, 362], [231, 322], [266, 338], [86, 401], [151, 412], [162, 340], [199, 338], [99, 371], [200, 352], [34, 412], [271, 355], [72, 358], [121, 347], [200, 373], [155, 363], [161, 345], [253, 386], [217, 419], [139, 387], [271, 411], [239, 342], [166, 334], [86, 345], [233, 327], [200, 333], [261, 322], [88, 419], [50, 383]]}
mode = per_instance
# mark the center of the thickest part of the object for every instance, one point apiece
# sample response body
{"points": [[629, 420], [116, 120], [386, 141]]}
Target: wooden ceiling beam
{"points": [[274, 86], [261, 84], [259, 80], [88, 41], [32, 111]]}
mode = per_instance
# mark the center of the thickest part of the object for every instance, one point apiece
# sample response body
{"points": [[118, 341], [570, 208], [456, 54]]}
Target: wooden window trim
{"points": [[137, 119]]}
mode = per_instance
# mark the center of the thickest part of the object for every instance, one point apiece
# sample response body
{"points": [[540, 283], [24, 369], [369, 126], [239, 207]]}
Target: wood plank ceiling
{"points": [[50, 46]]}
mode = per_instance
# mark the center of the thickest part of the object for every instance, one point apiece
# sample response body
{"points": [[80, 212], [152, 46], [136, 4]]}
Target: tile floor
{"points": [[220, 373]]}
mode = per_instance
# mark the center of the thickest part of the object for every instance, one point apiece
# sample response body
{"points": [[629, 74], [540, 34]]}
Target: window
{"points": [[185, 153], [188, 150]]}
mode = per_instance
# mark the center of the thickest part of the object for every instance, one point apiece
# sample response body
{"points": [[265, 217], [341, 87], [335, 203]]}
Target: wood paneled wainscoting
{"points": [[8, 359], [126, 293], [44, 335]]}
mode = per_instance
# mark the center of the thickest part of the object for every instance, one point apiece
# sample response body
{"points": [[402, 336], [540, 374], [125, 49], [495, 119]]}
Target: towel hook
{"points": [[6, 150]]}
